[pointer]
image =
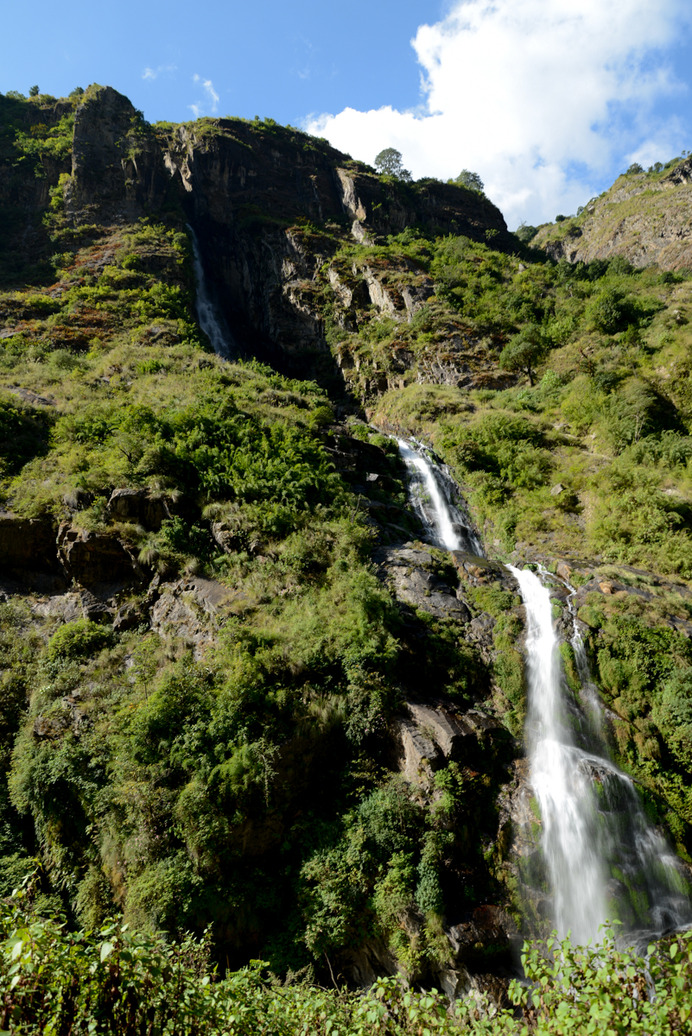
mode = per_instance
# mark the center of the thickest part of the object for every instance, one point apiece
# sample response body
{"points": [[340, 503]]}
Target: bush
{"points": [[78, 639], [610, 311]]}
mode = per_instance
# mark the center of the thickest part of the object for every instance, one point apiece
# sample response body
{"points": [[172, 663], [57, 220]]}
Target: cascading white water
{"points": [[604, 858], [426, 486], [560, 782], [653, 894], [209, 319]]}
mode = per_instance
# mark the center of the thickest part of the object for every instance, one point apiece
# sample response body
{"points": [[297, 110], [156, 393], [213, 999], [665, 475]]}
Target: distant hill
{"points": [[646, 217]]}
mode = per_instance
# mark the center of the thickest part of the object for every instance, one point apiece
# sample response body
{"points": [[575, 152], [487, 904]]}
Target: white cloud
{"points": [[540, 97], [211, 103], [211, 95], [154, 73]]}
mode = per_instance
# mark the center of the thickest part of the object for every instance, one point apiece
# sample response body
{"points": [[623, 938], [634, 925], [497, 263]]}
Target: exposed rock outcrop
{"points": [[255, 193], [97, 559], [414, 581], [28, 546], [190, 610], [142, 507], [646, 220], [118, 172]]}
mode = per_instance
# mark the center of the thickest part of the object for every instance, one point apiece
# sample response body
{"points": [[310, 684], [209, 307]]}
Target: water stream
{"points": [[210, 320], [604, 859], [432, 494], [562, 786]]}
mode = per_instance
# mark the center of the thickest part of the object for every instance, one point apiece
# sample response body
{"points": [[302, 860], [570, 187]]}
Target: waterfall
{"points": [[604, 859], [210, 320], [431, 493], [561, 784]]}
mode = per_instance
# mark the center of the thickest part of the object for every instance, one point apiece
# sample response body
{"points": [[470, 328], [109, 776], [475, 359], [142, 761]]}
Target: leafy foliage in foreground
{"points": [[113, 980]]}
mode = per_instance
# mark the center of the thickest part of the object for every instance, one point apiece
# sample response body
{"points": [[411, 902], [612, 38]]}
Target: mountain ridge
{"points": [[643, 217]]}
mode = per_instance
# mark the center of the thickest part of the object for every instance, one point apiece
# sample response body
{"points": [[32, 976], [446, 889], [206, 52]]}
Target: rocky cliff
{"points": [[270, 207], [273, 207]]}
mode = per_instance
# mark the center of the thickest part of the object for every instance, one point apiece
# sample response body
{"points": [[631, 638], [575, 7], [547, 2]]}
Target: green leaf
{"points": [[106, 950]]}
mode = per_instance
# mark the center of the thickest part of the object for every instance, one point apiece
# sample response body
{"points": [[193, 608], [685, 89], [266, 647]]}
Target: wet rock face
{"points": [[489, 928]]}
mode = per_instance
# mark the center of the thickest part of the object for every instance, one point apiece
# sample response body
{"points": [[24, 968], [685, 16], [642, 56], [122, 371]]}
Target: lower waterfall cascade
{"points": [[604, 859], [563, 789]]}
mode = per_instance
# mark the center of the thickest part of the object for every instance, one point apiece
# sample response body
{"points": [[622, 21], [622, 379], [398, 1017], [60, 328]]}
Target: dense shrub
{"points": [[78, 639], [113, 980]]}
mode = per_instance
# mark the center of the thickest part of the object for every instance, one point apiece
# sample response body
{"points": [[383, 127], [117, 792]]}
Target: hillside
{"points": [[240, 689], [645, 217]]}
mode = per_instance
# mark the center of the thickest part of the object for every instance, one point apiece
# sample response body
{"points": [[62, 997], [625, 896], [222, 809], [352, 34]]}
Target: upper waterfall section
{"points": [[271, 206], [432, 493]]}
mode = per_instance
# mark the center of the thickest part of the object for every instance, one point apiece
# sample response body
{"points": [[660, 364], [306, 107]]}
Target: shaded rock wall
{"points": [[270, 206], [117, 171]]}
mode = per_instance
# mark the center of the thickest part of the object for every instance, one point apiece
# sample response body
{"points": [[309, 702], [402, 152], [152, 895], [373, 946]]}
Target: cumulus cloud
{"points": [[210, 105], [540, 97]]}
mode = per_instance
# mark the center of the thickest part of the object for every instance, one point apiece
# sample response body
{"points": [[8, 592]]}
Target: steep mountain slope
{"points": [[235, 692], [644, 217], [206, 681]]}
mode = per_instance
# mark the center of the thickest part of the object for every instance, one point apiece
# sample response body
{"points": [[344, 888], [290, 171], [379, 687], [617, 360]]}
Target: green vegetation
{"points": [[589, 460], [231, 770], [390, 163], [113, 980], [468, 179], [204, 739]]}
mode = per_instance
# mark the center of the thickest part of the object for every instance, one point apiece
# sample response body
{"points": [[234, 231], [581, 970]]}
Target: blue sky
{"points": [[547, 99]]}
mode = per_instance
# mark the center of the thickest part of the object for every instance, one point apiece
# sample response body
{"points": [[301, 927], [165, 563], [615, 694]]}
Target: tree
{"points": [[389, 162], [525, 232], [33, 91], [524, 351], [471, 180], [610, 311]]}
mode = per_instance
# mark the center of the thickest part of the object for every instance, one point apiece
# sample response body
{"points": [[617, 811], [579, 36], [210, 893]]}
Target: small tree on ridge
{"points": [[389, 162], [471, 180], [524, 351]]}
